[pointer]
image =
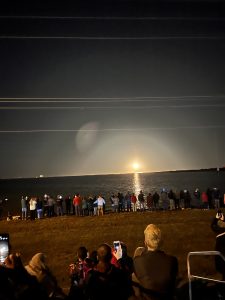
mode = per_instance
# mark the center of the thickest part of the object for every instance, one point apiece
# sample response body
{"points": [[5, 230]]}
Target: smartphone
{"points": [[4, 246], [116, 245]]}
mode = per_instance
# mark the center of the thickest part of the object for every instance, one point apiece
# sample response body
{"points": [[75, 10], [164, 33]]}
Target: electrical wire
{"points": [[171, 37], [113, 129]]}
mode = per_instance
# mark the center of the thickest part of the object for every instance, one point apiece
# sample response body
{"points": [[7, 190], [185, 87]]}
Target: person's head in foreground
{"points": [[82, 253], [153, 237], [37, 262], [104, 253]]}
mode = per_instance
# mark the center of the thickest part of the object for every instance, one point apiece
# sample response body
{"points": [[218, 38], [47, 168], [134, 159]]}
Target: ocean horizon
{"points": [[119, 173]]}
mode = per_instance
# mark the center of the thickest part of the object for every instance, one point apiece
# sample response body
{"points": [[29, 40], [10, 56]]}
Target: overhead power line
{"points": [[168, 37], [110, 107], [147, 102], [116, 18], [113, 129], [109, 99]]}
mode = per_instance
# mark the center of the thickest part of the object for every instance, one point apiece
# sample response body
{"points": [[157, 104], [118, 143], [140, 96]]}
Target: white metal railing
{"points": [[191, 276]]}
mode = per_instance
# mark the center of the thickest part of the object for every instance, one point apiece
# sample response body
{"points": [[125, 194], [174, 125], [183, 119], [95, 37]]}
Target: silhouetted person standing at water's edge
{"points": [[141, 200], [134, 202], [150, 201], [120, 207], [216, 198], [100, 203], [164, 201], [187, 199], [155, 199], [76, 204], [59, 205], [127, 200], [90, 206], [24, 208], [204, 199], [115, 203], [68, 205], [39, 208], [33, 204], [51, 203], [171, 197]]}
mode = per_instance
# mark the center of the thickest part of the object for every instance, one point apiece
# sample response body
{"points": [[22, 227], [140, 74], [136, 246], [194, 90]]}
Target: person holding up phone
{"points": [[123, 260], [107, 281], [4, 246]]}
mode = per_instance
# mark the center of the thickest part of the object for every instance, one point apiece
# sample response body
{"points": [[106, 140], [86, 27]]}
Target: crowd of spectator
{"points": [[106, 273], [78, 205]]}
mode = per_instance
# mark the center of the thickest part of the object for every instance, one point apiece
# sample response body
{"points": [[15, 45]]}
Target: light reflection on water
{"points": [[136, 183]]}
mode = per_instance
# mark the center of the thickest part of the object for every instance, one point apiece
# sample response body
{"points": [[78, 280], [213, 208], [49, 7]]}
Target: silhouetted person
{"points": [[38, 268], [155, 270], [155, 198], [17, 283], [107, 281], [68, 205]]}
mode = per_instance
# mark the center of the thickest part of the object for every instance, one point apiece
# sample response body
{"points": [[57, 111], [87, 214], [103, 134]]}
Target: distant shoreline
{"points": [[222, 169]]}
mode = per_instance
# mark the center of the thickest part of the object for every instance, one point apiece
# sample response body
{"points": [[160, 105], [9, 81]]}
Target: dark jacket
{"points": [[156, 273], [17, 284], [111, 285]]}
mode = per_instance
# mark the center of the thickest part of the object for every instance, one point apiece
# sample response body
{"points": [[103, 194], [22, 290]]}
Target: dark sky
{"points": [[93, 88]]}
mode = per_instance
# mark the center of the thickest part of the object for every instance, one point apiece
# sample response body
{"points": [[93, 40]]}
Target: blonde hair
{"points": [[153, 237]]}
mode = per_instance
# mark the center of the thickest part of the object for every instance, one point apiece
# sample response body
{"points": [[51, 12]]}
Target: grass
{"points": [[59, 237]]}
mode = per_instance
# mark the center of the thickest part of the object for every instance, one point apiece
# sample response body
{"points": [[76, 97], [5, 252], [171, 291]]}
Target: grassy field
{"points": [[59, 237]]}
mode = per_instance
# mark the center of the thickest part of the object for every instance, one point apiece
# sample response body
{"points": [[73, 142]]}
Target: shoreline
{"points": [[222, 169]]}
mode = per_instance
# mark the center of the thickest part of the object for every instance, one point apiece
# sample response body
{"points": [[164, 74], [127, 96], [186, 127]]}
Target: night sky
{"points": [[93, 88]]}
